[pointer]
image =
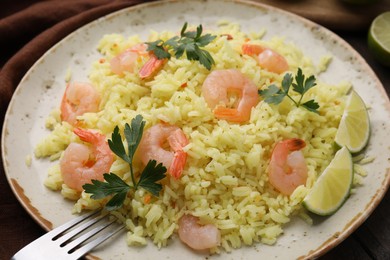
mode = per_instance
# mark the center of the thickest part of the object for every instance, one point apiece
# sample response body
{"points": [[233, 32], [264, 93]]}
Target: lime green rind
{"points": [[329, 186], [378, 41], [377, 51]]}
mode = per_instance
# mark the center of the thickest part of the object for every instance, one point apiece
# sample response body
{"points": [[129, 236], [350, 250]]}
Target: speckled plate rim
{"points": [[352, 225]]}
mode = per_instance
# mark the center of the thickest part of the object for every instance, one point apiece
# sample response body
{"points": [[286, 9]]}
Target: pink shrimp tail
{"points": [[294, 144], [151, 66], [230, 114], [86, 135], [178, 163], [177, 141], [252, 49]]}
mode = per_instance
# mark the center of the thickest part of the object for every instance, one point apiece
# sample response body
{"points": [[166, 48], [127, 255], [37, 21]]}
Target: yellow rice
{"points": [[225, 180]]}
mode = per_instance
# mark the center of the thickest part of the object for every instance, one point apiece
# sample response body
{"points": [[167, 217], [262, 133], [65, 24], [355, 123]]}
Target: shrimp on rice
{"points": [[220, 85], [79, 98], [196, 236], [287, 168], [126, 61], [81, 163], [266, 58], [164, 143]]}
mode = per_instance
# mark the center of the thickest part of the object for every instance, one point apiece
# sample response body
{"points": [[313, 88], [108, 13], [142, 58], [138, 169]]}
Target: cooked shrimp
{"points": [[217, 87], [196, 236], [126, 61], [79, 98], [267, 58], [154, 146], [151, 66], [80, 163], [287, 168]]}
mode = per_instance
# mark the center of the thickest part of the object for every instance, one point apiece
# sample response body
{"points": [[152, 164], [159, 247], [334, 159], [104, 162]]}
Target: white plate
{"points": [[42, 87]]}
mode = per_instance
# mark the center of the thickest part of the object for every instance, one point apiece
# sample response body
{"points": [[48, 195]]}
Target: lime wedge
{"points": [[332, 188], [354, 127], [379, 38]]}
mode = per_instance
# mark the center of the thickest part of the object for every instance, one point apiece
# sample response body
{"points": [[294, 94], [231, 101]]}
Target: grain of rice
{"points": [[28, 160]]}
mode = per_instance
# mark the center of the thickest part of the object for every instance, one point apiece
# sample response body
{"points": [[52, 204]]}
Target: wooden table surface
{"points": [[370, 241]]}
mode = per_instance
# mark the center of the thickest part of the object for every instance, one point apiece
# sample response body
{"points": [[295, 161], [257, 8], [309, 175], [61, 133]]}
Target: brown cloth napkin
{"points": [[35, 26]]}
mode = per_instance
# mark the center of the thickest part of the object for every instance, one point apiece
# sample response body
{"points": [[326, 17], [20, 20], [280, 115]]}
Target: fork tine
{"points": [[94, 243], [76, 242], [74, 248], [51, 241], [64, 227], [65, 237]]}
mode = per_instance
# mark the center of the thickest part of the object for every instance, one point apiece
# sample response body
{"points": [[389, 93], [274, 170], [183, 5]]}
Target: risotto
{"points": [[224, 181]]}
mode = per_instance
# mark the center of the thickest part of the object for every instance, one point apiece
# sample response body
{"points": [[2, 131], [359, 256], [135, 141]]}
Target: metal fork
{"points": [[73, 239]]}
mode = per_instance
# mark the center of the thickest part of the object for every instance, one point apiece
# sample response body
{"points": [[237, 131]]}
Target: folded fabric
{"points": [[38, 27]]}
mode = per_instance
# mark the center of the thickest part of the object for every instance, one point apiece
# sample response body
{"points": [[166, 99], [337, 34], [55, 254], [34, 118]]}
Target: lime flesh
{"points": [[354, 127], [332, 188]]}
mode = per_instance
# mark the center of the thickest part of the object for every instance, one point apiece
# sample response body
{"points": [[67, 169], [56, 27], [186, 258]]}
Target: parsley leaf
{"points": [[117, 200], [114, 186], [302, 86], [299, 79], [133, 134], [158, 49], [286, 82], [189, 43], [311, 105], [275, 95], [151, 174], [272, 94], [172, 42], [116, 145], [205, 40]]}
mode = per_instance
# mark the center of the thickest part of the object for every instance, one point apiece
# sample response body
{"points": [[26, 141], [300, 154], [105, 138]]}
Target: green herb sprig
{"points": [[275, 95], [189, 42], [114, 186]]}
